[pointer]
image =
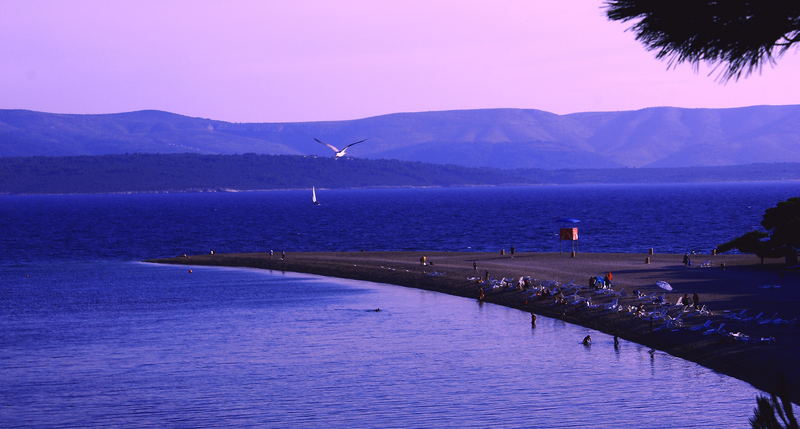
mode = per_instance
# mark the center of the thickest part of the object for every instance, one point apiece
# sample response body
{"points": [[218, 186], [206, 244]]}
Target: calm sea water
{"points": [[89, 337], [617, 218]]}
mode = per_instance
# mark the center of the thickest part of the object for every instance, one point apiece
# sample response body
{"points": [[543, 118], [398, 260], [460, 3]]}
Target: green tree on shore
{"points": [[781, 237], [738, 35]]}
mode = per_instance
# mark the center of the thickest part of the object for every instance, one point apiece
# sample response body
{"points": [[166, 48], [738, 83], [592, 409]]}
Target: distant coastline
{"points": [[726, 290], [167, 173], [520, 185]]}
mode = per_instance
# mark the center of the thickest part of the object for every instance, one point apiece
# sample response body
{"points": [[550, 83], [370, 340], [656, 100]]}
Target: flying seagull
{"points": [[339, 152]]}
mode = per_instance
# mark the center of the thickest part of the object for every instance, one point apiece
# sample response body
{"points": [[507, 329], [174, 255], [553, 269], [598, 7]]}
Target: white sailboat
{"points": [[314, 196]]}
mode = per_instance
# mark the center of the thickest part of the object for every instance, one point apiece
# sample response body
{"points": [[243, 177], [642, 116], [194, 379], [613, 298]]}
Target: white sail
{"points": [[314, 196]]}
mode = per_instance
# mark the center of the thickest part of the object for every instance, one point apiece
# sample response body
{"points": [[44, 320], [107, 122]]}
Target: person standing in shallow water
{"points": [[587, 340]]}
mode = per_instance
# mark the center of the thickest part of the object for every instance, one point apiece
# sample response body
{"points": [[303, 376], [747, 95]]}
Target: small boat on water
{"points": [[314, 196]]}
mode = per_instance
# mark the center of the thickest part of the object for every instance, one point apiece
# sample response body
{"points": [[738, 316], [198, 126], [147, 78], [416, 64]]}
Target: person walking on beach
{"points": [[533, 320], [474, 266], [513, 250], [283, 255], [696, 300]]}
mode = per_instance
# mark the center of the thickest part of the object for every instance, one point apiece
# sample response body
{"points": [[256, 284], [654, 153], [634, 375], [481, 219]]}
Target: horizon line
{"points": [[398, 113]]}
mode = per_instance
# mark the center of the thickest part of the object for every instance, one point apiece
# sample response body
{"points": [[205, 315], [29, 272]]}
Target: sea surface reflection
{"points": [[109, 343]]}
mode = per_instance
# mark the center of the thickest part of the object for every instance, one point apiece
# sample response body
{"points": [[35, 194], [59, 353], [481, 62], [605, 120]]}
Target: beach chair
{"points": [[719, 330], [670, 324], [740, 315], [703, 326], [755, 318], [768, 320], [738, 336], [660, 300]]}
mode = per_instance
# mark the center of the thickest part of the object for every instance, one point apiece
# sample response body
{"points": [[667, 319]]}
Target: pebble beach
{"points": [[745, 327]]}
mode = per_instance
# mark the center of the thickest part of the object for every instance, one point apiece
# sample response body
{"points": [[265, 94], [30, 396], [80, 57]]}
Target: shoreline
{"points": [[743, 284], [224, 190]]}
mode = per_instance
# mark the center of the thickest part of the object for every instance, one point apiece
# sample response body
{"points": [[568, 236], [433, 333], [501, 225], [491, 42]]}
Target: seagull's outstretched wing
{"points": [[332, 147], [351, 144]]}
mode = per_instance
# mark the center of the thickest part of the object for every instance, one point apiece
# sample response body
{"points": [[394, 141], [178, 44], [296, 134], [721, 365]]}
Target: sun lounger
{"points": [[738, 336], [768, 320], [719, 330], [740, 315], [703, 326]]}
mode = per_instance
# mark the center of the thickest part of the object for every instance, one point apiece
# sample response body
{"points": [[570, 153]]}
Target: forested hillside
{"points": [[192, 172]]}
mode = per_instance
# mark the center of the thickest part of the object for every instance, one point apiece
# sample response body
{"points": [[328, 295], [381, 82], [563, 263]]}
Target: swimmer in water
{"points": [[587, 340]]}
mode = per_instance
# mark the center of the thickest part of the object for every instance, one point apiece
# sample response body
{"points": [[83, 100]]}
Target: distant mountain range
{"points": [[499, 138]]}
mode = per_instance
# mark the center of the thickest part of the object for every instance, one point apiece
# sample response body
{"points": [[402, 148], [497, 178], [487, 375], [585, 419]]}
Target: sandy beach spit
{"points": [[748, 331]]}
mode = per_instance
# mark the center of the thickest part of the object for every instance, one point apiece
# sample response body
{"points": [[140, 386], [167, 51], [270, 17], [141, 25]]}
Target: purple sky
{"points": [[271, 61]]}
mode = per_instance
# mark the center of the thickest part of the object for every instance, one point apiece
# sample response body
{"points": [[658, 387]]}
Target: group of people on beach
{"points": [[423, 260], [604, 282], [694, 301], [600, 284], [271, 253]]}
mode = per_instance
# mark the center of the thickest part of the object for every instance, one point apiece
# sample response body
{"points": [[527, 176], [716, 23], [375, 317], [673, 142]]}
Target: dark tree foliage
{"points": [[738, 35], [784, 222], [752, 242], [182, 172], [772, 413], [782, 239]]}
